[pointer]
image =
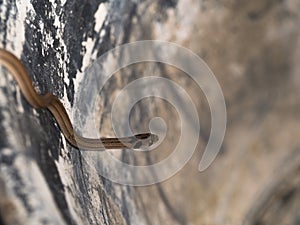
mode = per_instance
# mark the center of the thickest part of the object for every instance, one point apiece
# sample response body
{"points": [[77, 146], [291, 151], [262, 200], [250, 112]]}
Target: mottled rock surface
{"points": [[253, 48]]}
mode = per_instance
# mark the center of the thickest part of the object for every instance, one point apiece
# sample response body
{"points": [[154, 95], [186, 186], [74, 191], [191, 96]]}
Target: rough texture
{"points": [[253, 48]]}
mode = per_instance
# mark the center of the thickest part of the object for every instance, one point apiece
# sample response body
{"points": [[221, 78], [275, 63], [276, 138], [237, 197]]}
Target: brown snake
{"points": [[53, 104]]}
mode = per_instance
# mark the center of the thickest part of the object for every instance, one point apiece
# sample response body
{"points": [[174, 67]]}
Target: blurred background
{"points": [[252, 47]]}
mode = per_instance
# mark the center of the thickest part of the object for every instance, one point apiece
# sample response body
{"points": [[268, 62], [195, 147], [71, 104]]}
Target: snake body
{"points": [[53, 104]]}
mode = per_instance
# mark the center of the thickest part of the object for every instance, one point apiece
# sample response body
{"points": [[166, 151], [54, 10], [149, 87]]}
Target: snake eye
{"points": [[143, 136]]}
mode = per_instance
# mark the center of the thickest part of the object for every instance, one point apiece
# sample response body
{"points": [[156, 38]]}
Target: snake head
{"points": [[145, 140]]}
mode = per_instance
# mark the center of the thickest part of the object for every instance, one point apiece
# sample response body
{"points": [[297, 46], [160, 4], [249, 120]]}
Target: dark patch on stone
{"points": [[3, 140], [43, 69], [124, 209], [279, 203], [7, 159], [79, 20], [100, 47], [138, 144], [128, 24], [70, 90], [169, 3], [18, 189], [267, 6], [81, 176], [1, 220]]}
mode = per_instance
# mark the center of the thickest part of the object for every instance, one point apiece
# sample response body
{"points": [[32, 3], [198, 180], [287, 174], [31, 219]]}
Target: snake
{"points": [[50, 102]]}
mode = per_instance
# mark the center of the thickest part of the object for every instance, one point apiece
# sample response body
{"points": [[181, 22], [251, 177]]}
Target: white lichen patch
{"points": [[34, 188], [88, 57], [15, 34], [89, 44], [100, 16], [65, 171]]}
